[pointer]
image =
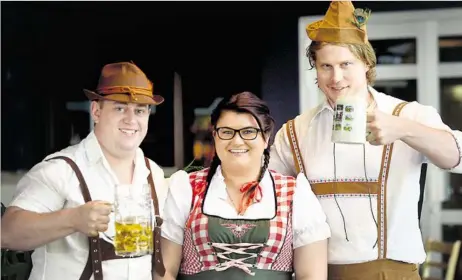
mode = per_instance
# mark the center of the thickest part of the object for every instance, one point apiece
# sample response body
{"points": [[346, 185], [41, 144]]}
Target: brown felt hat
{"points": [[124, 82], [341, 24]]}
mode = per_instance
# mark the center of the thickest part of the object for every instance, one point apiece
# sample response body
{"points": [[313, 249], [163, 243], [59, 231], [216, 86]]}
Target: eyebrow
{"points": [[126, 104], [145, 106], [238, 128], [341, 62], [119, 103]]}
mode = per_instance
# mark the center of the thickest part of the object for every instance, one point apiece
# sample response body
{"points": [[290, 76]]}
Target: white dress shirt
{"points": [[308, 219], [52, 186], [314, 130]]}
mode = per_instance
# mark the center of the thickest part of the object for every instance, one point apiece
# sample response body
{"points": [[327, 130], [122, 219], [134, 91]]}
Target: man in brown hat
{"points": [[62, 206], [369, 191]]}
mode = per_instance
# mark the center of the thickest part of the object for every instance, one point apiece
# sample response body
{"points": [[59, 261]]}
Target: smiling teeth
{"points": [[238, 151], [128, 131]]}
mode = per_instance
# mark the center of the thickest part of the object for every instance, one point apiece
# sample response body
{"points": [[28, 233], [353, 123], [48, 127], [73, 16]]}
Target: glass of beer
{"points": [[350, 118], [133, 212]]}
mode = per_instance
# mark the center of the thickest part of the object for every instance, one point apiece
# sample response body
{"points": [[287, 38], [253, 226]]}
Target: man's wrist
{"points": [[406, 129], [71, 216]]}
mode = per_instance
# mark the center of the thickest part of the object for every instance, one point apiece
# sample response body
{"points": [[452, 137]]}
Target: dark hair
{"points": [[245, 102]]}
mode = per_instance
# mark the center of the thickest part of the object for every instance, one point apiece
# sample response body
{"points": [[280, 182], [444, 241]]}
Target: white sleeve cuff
{"points": [[172, 232], [177, 207], [311, 234], [309, 221]]}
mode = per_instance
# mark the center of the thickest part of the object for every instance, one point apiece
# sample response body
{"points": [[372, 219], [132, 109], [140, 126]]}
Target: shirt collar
{"points": [[219, 186], [95, 155], [379, 98], [92, 148], [382, 100], [324, 106]]}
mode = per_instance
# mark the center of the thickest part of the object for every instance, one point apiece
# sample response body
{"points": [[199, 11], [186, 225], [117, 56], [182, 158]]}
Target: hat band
{"points": [[123, 89], [336, 35]]}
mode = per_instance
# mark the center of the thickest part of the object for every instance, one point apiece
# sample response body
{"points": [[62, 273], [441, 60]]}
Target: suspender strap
{"points": [[78, 173], [157, 261], [399, 107], [296, 153], [100, 249], [382, 219], [93, 265]]}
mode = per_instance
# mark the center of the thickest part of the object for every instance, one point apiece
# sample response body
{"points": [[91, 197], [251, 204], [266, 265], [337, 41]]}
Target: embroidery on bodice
{"points": [[201, 253], [238, 230]]}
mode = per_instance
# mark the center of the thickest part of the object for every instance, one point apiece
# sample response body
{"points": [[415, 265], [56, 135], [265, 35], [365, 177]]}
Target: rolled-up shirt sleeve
{"points": [[428, 116], [177, 207], [308, 219]]}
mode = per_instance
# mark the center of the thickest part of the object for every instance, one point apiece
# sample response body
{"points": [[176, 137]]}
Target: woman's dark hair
{"points": [[245, 102]]}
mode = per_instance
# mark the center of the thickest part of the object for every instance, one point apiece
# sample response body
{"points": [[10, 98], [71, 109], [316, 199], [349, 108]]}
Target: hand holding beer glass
{"points": [[133, 212], [92, 217]]}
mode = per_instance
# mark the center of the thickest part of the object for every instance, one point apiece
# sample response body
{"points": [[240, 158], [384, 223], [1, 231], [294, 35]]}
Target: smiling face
{"points": [[237, 153], [120, 127], [340, 72]]}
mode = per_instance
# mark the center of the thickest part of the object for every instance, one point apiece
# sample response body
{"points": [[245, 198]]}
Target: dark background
{"points": [[52, 50]]}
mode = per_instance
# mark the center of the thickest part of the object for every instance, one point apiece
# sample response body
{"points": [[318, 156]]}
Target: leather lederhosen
{"points": [[101, 250]]}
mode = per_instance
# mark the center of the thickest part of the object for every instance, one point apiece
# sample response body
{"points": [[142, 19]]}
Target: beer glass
{"points": [[350, 117], [133, 220]]}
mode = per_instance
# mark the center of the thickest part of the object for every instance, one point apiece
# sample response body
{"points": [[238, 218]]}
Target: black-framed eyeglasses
{"points": [[246, 133]]}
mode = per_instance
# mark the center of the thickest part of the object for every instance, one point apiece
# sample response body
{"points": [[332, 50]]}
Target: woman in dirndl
{"points": [[237, 219]]}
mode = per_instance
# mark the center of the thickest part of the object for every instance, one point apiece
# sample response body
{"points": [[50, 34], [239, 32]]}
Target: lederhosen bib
{"points": [[219, 248], [101, 250], [378, 188], [367, 269]]}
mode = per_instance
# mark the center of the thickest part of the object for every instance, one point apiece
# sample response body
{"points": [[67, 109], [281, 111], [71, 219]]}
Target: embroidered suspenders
{"points": [[99, 249], [382, 195], [296, 153], [383, 178]]}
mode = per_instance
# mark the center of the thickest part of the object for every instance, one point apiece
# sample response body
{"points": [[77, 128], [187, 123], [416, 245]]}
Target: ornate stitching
{"points": [[296, 150]]}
